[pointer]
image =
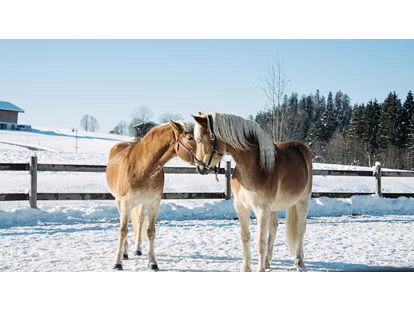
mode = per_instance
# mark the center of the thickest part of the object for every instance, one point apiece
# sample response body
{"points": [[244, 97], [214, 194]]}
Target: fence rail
{"points": [[33, 196]]}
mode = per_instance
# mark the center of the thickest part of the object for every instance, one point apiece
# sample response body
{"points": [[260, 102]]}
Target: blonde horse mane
{"points": [[186, 126], [235, 131]]}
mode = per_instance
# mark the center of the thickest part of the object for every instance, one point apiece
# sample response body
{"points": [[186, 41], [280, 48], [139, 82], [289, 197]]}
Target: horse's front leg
{"points": [[122, 235], [263, 215], [244, 218], [118, 206], [140, 229], [151, 232]]}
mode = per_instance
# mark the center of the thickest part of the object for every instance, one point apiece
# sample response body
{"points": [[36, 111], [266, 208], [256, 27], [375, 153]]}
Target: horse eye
{"points": [[190, 138]]}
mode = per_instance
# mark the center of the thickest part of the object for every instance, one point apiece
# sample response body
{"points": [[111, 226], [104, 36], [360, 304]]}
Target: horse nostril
{"points": [[200, 170]]}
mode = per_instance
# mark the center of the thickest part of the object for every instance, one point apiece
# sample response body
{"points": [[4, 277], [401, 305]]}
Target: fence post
{"points": [[377, 175], [227, 189], [33, 181]]}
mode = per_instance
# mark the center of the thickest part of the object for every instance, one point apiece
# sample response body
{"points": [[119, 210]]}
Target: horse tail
{"points": [[296, 214], [292, 230], [136, 213], [307, 156], [144, 228]]}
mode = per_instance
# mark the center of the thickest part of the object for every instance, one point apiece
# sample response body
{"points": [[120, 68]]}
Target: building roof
{"points": [[144, 124], [10, 107]]}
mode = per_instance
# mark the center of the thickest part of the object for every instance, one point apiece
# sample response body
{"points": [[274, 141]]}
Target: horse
{"points": [[268, 177], [135, 177]]}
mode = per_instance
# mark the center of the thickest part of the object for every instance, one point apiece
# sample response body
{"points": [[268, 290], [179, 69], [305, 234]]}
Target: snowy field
{"points": [[363, 233]]}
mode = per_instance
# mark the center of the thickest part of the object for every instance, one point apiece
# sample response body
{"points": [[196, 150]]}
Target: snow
{"points": [[362, 233]]}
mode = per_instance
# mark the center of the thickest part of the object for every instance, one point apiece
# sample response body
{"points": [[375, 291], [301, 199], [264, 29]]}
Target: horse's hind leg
{"points": [[273, 224], [152, 215], [123, 232], [262, 215], [140, 230], [295, 229]]}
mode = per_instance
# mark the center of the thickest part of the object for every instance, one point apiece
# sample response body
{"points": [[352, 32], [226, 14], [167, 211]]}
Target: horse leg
{"points": [[244, 218], [152, 216], [138, 217], [125, 252], [262, 215], [273, 224], [123, 233], [295, 229]]}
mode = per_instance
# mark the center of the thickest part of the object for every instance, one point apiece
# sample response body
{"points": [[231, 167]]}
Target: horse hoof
{"points": [[153, 266], [125, 256], [138, 253], [299, 263], [118, 266]]}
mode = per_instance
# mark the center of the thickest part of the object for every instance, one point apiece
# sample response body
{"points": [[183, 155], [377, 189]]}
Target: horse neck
{"points": [[156, 148], [247, 161]]}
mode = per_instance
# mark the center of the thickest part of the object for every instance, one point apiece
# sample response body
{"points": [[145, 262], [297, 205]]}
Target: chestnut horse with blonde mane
{"points": [[268, 177], [135, 178]]}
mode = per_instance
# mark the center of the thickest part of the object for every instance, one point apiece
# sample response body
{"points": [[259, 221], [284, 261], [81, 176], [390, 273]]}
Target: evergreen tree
{"points": [[389, 128], [405, 122], [343, 110], [357, 123], [338, 109], [320, 105], [409, 105], [372, 117], [309, 106], [356, 148], [291, 116]]}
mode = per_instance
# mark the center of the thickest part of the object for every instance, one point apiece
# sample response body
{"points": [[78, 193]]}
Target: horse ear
{"points": [[176, 126], [201, 121], [201, 114]]}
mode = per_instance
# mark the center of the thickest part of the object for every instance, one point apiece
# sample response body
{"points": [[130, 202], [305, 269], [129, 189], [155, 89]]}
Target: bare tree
{"points": [[89, 123], [140, 115], [274, 86], [93, 124], [166, 117], [120, 128], [84, 123]]}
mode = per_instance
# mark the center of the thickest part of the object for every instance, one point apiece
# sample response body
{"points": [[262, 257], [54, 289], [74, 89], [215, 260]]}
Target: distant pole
{"points": [[76, 137]]}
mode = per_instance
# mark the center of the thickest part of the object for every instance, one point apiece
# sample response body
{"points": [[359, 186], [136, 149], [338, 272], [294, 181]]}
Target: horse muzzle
{"points": [[202, 170]]}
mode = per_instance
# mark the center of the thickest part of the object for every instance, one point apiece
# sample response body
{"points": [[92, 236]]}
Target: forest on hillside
{"points": [[340, 133]]}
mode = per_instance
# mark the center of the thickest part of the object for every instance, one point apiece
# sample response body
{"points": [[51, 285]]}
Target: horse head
{"points": [[208, 155], [185, 144]]}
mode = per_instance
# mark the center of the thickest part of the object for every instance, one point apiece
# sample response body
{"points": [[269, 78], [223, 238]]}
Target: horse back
{"points": [[118, 148]]}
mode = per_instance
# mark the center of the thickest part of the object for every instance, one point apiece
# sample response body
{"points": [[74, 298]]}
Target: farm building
{"points": [[8, 115], [142, 129]]}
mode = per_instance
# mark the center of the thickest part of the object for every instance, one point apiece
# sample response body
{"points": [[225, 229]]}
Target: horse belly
{"points": [[286, 198], [143, 198], [282, 204]]}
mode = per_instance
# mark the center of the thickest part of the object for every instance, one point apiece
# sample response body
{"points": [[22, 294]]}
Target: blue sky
{"points": [[58, 81]]}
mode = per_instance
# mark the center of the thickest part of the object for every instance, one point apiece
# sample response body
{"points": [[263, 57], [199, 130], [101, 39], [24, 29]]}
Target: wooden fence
{"points": [[33, 196]]}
